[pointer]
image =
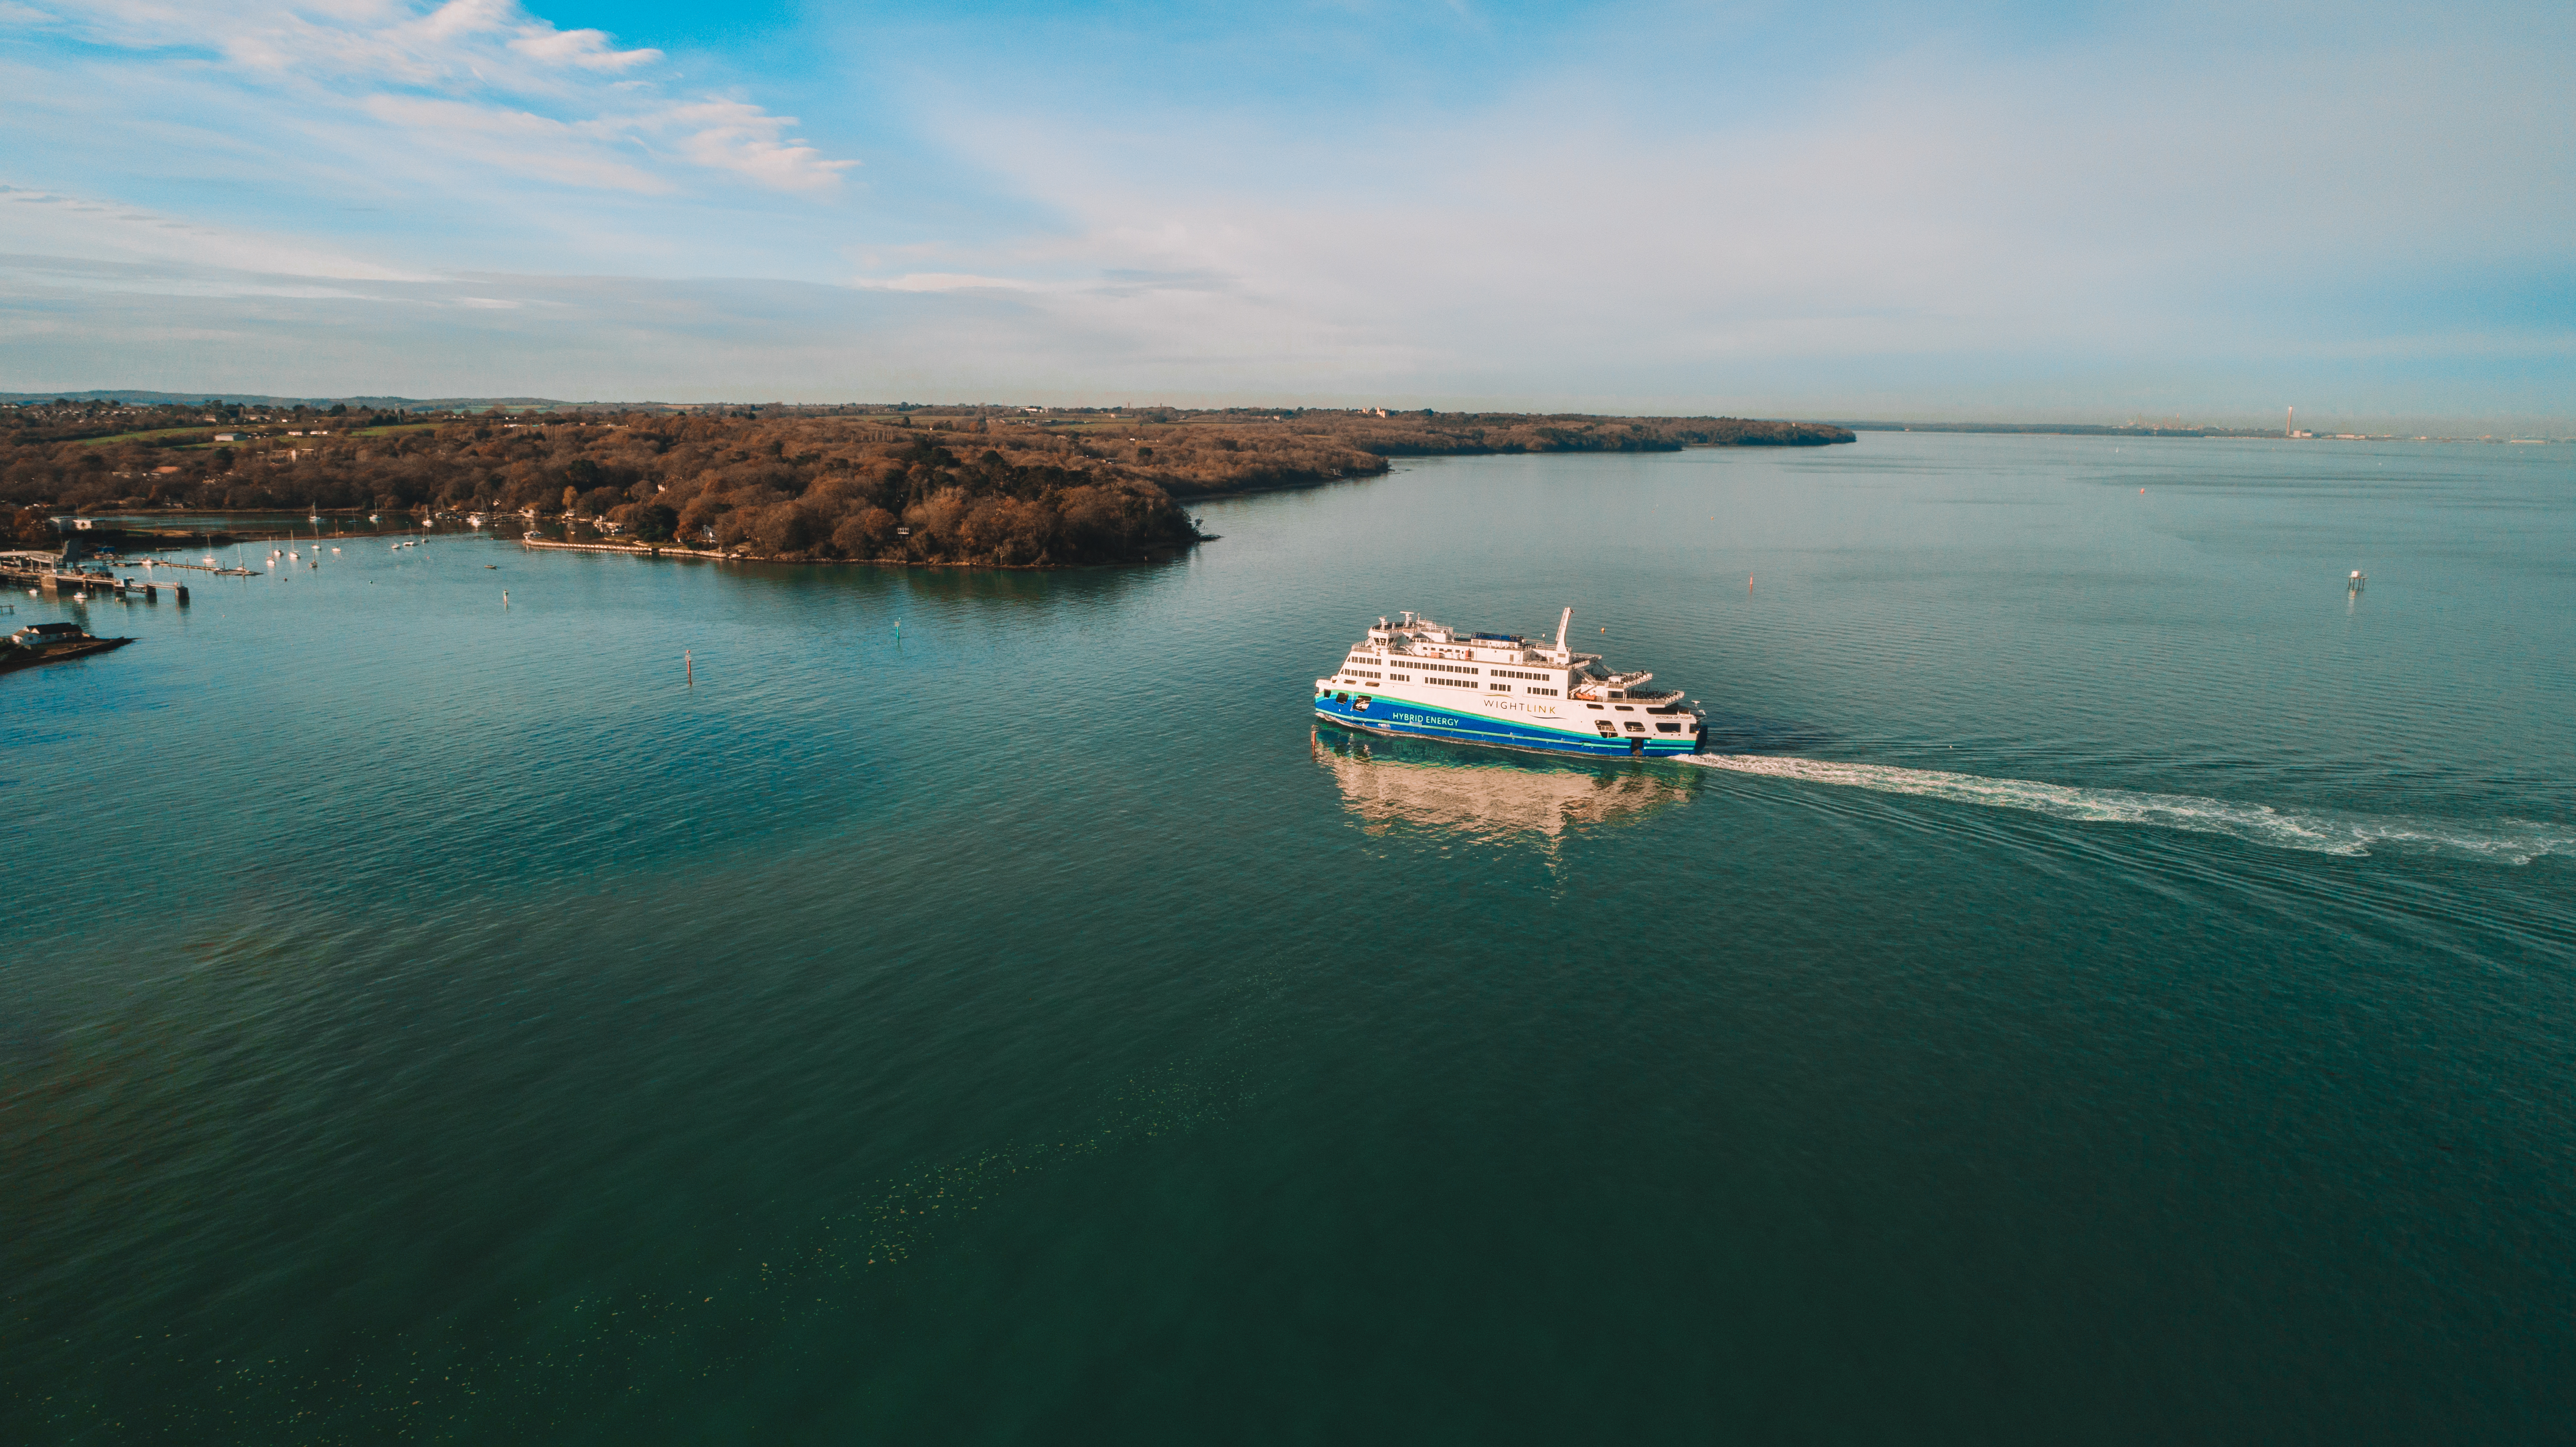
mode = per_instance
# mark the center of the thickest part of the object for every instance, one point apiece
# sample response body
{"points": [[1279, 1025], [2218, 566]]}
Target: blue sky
{"points": [[1995, 211]]}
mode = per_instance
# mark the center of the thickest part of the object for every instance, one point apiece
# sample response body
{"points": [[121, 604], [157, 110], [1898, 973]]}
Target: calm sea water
{"points": [[2110, 984]]}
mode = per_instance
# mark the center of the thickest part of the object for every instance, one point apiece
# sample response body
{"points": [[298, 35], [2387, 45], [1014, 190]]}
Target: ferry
{"points": [[1422, 678]]}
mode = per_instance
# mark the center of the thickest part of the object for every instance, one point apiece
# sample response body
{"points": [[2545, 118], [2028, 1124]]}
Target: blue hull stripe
{"points": [[1422, 720]]}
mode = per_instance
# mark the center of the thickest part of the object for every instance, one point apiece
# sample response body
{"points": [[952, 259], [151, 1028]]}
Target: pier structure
{"points": [[50, 573]]}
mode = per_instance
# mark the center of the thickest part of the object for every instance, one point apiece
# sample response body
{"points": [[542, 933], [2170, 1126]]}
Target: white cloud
{"points": [[43, 223], [946, 281], [587, 48], [733, 136], [470, 75], [1949, 214], [566, 153], [1923, 230]]}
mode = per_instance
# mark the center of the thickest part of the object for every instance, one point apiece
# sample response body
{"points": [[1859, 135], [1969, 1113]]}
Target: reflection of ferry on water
{"points": [[1418, 677], [1494, 798]]}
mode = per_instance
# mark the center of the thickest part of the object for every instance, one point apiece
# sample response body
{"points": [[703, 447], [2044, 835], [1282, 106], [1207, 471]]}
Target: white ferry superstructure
{"points": [[1420, 677]]}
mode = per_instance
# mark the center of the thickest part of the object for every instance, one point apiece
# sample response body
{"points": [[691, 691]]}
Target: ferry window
{"points": [[1341, 698], [1668, 728], [1500, 687], [1596, 708], [1548, 691], [1635, 727], [1623, 708], [1607, 731]]}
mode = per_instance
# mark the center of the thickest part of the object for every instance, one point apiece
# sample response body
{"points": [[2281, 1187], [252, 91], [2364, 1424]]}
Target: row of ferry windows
{"points": [[1438, 667], [1448, 682], [1455, 668], [1426, 667]]}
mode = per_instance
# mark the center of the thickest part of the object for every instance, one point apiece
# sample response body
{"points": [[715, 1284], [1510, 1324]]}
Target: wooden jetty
{"points": [[47, 572], [641, 550], [203, 568]]}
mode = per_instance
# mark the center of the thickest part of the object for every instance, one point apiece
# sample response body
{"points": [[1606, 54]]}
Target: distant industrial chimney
{"points": [[2290, 425]]}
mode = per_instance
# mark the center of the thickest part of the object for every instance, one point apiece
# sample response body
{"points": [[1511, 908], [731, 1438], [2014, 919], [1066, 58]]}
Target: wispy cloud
{"points": [[43, 223], [2152, 205], [484, 78], [568, 153], [1880, 205], [743, 138], [946, 281]]}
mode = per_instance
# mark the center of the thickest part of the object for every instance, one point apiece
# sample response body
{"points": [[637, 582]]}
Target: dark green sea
{"points": [[2113, 984]]}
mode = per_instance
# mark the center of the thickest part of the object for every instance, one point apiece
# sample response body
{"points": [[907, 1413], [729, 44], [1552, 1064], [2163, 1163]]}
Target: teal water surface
{"points": [[2108, 981]]}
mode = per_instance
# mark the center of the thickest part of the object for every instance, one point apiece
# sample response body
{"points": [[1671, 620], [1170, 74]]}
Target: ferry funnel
{"points": [[1562, 620]]}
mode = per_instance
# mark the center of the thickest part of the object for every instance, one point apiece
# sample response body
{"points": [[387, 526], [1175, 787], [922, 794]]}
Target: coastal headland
{"points": [[993, 486]]}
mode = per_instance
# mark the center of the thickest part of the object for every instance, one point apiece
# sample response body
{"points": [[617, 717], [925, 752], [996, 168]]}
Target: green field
{"points": [[139, 436]]}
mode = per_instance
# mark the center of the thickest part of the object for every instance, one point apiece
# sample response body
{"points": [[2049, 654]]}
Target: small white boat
{"points": [[2357, 580]]}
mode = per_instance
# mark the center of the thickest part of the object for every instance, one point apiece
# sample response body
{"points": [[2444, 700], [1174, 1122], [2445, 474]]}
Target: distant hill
{"points": [[139, 397], [2065, 429]]}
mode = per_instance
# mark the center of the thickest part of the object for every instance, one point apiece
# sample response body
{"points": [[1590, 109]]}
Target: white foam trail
{"points": [[2503, 841]]}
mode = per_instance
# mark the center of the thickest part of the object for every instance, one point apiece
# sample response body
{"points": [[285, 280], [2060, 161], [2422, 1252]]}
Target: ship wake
{"points": [[2501, 841]]}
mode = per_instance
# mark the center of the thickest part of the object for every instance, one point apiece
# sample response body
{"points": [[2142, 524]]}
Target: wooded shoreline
{"points": [[992, 486]]}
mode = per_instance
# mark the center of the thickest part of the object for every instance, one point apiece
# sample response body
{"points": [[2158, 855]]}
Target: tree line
{"points": [[988, 485]]}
